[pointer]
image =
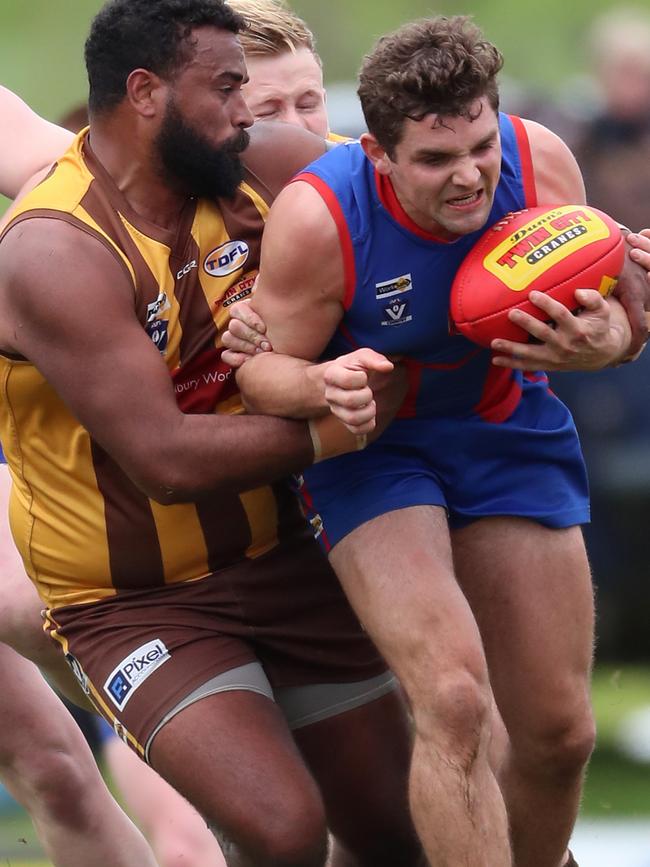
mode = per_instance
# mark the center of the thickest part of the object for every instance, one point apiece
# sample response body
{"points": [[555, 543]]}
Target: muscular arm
{"points": [[67, 306], [299, 296], [28, 143]]}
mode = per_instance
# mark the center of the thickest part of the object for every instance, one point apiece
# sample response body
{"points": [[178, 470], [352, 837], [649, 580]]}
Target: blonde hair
{"points": [[272, 28]]}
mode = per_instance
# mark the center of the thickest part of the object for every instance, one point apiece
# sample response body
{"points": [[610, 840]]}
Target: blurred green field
{"points": [[616, 786], [41, 43], [18, 844]]}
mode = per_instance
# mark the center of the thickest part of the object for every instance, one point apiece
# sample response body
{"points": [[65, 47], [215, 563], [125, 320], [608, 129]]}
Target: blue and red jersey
{"points": [[472, 438], [398, 279]]}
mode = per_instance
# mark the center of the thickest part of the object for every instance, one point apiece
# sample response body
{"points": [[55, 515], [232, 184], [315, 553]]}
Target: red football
{"points": [[555, 250]]}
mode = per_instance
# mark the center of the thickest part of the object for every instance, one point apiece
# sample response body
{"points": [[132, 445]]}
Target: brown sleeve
{"points": [[278, 151]]}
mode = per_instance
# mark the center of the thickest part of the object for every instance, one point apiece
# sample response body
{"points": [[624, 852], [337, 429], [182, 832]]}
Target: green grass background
{"points": [[41, 42], [617, 786]]}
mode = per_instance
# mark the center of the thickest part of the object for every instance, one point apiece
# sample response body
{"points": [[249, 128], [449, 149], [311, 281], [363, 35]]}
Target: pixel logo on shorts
{"points": [[134, 669]]}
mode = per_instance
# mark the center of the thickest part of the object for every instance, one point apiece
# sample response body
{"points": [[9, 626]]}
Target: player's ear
{"points": [[146, 92], [375, 153]]}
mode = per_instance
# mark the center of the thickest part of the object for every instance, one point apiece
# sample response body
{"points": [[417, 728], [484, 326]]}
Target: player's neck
{"points": [[129, 163]]}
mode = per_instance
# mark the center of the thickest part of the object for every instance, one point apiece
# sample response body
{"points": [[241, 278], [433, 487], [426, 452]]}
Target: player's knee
{"points": [[300, 840], [559, 747], [456, 713], [569, 747], [298, 850], [294, 835], [54, 784]]}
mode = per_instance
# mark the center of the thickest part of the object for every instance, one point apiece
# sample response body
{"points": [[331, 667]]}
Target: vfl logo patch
{"points": [[226, 258], [397, 313], [536, 247], [389, 288], [134, 669], [158, 332]]}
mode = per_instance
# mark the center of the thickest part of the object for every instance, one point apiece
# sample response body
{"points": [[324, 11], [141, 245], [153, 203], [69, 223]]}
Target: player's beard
{"points": [[195, 165]]}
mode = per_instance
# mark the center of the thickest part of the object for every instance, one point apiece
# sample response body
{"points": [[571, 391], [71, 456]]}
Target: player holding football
{"points": [[456, 534]]}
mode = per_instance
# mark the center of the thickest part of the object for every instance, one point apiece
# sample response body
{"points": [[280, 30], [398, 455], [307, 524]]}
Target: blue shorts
{"points": [[529, 466]]}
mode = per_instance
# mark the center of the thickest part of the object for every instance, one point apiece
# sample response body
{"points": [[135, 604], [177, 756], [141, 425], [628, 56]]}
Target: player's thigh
{"points": [[530, 589], [232, 756], [398, 574]]}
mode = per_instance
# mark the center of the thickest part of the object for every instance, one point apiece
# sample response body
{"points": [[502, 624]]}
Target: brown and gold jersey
{"points": [[84, 530]]}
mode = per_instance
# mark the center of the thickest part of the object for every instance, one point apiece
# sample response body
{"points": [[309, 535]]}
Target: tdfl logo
{"points": [[226, 259]]}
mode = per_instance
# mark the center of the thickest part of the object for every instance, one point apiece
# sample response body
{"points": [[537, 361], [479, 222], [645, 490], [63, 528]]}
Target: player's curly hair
{"points": [[148, 34], [431, 66]]}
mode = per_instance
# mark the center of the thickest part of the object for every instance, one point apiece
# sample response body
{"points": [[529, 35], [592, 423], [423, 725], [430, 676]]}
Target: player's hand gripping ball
{"points": [[553, 250]]}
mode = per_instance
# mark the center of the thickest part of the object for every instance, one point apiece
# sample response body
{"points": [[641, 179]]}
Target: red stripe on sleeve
{"points": [[333, 206], [525, 156]]}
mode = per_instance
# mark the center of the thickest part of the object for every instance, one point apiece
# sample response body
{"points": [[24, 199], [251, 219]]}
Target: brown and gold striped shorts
{"points": [[140, 654]]}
